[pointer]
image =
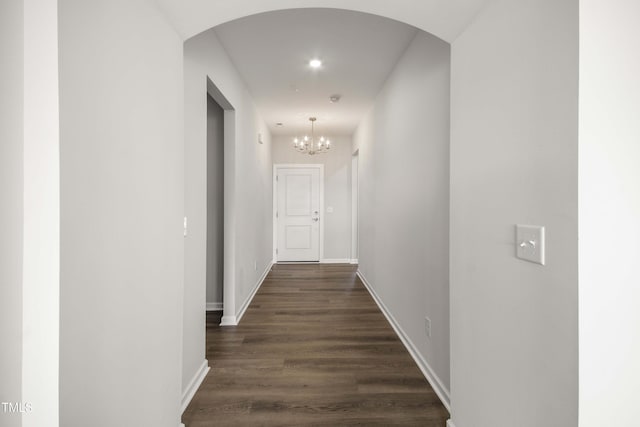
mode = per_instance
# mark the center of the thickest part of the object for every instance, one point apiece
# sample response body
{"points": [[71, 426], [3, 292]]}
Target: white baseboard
{"points": [[194, 384], [322, 261], [234, 320], [214, 306], [450, 423], [426, 369], [229, 321], [298, 262]]}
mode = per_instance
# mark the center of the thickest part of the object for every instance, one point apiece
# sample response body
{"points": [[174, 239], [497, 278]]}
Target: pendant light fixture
{"points": [[309, 145]]}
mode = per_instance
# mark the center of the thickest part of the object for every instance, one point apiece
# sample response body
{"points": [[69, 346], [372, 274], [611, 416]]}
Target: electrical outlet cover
{"points": [[427, 327]]}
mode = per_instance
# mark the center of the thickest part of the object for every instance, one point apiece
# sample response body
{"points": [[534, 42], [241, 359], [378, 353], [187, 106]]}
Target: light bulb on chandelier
{"points": [[309, 145]]}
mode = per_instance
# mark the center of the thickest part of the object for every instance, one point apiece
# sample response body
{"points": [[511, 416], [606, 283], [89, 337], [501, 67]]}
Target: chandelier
{"points": [[309, 145]]}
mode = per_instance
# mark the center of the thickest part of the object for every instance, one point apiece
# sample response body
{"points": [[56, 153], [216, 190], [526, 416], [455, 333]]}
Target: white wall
{"points": [[215, 202], [514, 348], [609, 182], [29, 191], [404, 199], [41, 227], [247, 197], [337, 190], [121, 91], [11, 200]]}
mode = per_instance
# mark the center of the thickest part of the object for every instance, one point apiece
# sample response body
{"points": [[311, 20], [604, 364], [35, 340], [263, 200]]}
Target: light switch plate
{"points": [[530, 243]]}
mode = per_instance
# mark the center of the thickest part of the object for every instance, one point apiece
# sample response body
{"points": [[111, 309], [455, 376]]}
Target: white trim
{"points": [[335, 261], [274, 205], [39, 334], [322, 212], [234, 320], [355, 158], [194, 384], [229, 321], [450, 423], [214, 306], [298, 263], [424, 366], [230, 203], [276, 166], [246, 303], [353, 261]]}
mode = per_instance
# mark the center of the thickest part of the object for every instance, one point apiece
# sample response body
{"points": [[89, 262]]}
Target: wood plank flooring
{"points": [[313, 349]]}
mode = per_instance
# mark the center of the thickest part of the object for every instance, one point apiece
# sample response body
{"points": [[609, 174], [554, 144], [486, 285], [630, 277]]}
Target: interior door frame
{"points": [[355, 159], [276, 167]]}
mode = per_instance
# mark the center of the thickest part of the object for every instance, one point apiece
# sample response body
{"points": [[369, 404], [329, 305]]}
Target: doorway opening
{"points": [[220, 191], [215, 205]]}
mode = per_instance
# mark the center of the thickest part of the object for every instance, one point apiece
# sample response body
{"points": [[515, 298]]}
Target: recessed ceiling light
{"points": [[315, 63]]}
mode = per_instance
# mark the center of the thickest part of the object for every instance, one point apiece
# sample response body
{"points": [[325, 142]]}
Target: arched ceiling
{"points": [[443, 18], [271, 50]]}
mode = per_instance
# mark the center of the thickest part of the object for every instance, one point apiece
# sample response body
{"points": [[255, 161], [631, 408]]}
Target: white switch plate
{"points": [[530, 243]]}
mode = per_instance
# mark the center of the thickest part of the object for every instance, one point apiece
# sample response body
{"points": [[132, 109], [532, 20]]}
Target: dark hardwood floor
{"points": [[313, 349]]}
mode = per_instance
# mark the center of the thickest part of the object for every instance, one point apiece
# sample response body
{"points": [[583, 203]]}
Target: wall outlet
{"points": [[427, 327]]}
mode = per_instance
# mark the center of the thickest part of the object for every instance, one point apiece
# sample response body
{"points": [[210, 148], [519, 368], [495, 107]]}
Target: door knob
{"points": [[316, 219]]}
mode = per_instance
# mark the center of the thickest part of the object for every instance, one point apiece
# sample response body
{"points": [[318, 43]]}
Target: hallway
{"points": [[312, 349], [486, 115]]}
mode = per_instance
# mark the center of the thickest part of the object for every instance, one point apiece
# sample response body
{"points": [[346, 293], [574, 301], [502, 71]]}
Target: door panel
{"points": [[298, 237], [298, 217], [298, 197]]}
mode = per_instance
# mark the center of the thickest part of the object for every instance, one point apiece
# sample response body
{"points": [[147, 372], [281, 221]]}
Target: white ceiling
{"points": [[271, 49], [271, 52]]}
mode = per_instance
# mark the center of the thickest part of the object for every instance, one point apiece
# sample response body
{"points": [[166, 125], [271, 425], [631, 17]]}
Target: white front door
{"points": [[298, 213]]}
